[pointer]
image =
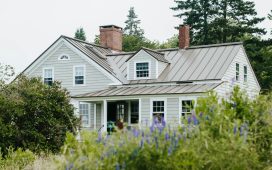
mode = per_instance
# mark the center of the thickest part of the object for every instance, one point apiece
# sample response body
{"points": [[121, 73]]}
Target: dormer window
{"points": [[64, 57], [142, 70]]}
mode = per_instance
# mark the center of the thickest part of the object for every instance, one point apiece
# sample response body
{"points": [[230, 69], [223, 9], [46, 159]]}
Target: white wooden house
{"points": [[107, 84]]}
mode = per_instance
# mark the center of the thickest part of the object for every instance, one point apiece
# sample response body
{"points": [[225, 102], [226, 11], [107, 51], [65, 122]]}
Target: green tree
{"points": [[6, 72], [270, 18], [134, 43], [35, 116], [132, 24], [171, 42], [80, 34], [219, 21]]}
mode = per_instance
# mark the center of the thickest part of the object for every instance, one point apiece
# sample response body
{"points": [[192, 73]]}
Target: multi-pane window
{"points": [[245, 74], [187, 107], [84, 114], [158, 110], [79, 73], [134, 112], [120, 111], [142, 69], [237, 77], [48, 76]]}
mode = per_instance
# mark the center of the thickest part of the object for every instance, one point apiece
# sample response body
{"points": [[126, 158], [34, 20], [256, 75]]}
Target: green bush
{"points": [[34, 116], [231, 134]]}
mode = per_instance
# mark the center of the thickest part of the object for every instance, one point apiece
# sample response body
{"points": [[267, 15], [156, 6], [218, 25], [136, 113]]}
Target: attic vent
{"points": [[64, 57]]}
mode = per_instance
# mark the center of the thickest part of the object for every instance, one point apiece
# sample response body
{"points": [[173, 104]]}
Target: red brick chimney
{"points": [[111, 37], [184, 36]]}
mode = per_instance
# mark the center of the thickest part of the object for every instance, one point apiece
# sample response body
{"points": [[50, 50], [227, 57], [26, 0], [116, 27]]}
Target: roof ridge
{"points": [[216, 45], [144, 48], [64, 36]]}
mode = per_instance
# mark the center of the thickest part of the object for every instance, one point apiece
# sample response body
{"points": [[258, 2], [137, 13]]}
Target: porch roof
{"points": [[151, 90]]}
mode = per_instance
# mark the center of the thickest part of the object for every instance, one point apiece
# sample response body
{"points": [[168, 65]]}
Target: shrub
{"points": [[34, 116]]}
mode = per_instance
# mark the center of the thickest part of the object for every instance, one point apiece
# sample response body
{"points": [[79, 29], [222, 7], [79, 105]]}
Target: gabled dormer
{"points": [[145, 64]]}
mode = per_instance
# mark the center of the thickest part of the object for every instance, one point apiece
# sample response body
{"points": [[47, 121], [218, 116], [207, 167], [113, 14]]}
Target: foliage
{"points": [[232, 134], [172, 42], [80, 34], [132, 24], [6, 71], [16, 159], [134, 43], [34, 116], [218, 21]]}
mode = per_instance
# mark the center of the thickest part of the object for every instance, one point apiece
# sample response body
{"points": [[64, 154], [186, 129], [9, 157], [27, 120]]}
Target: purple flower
{"points": [[99, 138], [167, 136], [142, 143], [117, 167], [189, 120], [163, 122], [142, 133], [241, 130], [170, 150], [135, 132], [200, 114], [156, 120], [152, 128], [195, 119], [156, 141], [70, 166]]}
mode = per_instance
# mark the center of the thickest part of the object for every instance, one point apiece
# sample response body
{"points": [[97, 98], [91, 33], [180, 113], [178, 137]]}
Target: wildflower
{"points": [[195, 119], [142, 133], [201, 114], [167, 136], [189, 120], [156, 142], [152, 128], [241, 130], [117, 167], [135, 132], [69, 166], [163, 122], [235, 129], [169, 150], [156, 121], [99, 138]]}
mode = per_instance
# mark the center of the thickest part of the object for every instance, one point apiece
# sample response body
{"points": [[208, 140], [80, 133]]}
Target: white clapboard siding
{"points": [[63, 71], [172, 111], [251, 87]]}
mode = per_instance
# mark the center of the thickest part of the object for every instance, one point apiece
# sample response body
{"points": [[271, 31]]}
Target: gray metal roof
{"points": [[151, 90], [209, 62]]}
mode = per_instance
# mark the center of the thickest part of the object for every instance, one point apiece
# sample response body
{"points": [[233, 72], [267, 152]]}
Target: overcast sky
{"points": [[28, 27]]}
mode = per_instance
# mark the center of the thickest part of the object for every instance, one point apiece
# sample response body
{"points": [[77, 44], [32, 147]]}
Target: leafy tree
{"points": [[80, 34], [35, 116], [132, 24], [219, 21], [172, 42], [6, 71], [134, 43]]}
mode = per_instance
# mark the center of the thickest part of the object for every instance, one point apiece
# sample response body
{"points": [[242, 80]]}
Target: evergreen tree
{"points": [[80, 34], [132, 24], [218, 21], [270, 17]]}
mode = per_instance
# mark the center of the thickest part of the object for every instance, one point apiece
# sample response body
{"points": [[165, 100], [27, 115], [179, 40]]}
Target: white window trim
{"points": [[239, 75], [245, 82], [74, 73], [89, 114], [151, 107], [194, 98], [52, 68], [59, 58], [149, 69]]}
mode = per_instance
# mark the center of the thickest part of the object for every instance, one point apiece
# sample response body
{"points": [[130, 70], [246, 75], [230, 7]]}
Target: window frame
{"points": [[47, 68], [89, 114], [192, 98], [59, 58], [135, 70], [245, 74], [237, 72], [151, 108], [84, 75]]}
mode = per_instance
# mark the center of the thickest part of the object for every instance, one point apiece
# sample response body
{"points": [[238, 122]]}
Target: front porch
{"points": [[98, 115]]}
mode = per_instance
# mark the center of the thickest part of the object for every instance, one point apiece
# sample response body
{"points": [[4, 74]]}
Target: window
{"points": [[187, 107], [158, 110], [245, 74], [120, 111], [64, 57], [237, 72], [84, 114], [142, 70], [79, 73], [48, 76], [134, 112]]}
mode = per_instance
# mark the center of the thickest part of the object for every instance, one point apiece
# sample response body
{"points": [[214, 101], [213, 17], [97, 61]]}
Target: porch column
{"points": [[129, 113], [140, 113], [105, 115], [94, 115]]}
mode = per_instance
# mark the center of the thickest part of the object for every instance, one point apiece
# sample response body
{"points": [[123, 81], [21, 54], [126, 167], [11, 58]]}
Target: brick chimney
{"points": [[184, 36], [111, 37]]}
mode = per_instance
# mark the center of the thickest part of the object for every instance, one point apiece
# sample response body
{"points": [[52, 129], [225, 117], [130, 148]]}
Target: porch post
{"points": [[105, 115], [140, 113], [94, 115], [129, 112]]}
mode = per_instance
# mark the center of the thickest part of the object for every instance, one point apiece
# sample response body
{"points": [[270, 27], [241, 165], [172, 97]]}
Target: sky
{"points": [[28, 27]]}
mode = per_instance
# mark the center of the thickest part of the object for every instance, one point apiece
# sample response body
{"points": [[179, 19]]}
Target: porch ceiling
{"points": [[151, 90]]}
